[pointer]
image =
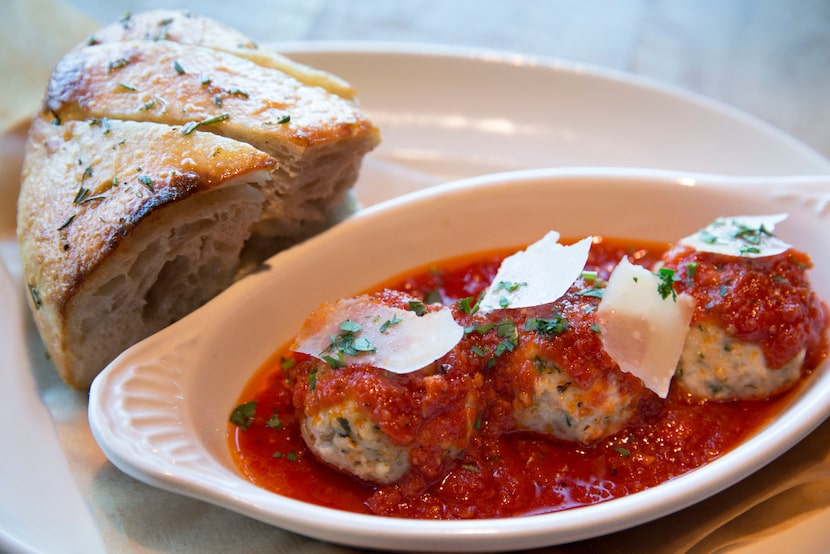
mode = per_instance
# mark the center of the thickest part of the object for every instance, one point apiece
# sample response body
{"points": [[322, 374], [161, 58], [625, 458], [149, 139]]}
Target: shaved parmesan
{"points": [[642, 331], [538, 275], [389, 338], [746, 236]]}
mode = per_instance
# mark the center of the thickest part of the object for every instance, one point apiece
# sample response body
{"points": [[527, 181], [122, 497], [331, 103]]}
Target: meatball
{"points": [[757, 324], [378, 425], [561, 382], [346, 437], [715, 366]]}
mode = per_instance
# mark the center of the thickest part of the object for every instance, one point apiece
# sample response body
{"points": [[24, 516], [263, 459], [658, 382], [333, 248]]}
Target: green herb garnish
{"points": [[390, 323], [243, 415], [117, 64], [274, 421], [550, 327], [418, 307], [192, 125], [666, 285]]}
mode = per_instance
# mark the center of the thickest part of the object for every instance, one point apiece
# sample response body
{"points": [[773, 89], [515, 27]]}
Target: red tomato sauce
{"points": [[499, 474], [755, 298]]}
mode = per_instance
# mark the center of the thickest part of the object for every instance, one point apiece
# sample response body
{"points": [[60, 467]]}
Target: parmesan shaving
{"points": [[745, 236], [393, 339], [538, 275], [642, 331]]}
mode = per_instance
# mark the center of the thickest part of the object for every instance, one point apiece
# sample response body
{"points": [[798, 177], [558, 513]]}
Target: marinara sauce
{"points": [[499, 474]]}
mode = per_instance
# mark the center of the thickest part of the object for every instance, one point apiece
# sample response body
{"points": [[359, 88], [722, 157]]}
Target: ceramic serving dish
{"points": [[160, 410]]}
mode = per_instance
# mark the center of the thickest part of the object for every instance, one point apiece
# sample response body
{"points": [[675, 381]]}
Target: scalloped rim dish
{"points": [[160, 410]]}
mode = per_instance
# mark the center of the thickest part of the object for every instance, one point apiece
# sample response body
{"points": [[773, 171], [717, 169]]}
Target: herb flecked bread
{"points": [[169, 155]]}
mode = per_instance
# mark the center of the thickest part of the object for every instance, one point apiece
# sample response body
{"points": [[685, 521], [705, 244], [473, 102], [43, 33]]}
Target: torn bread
{"points": [[154, 169]]}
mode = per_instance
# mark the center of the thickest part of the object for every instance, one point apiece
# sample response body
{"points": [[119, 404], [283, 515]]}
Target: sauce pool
{"points": [[499, 475]]}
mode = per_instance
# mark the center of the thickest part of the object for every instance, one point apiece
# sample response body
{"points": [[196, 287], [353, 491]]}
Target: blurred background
{"points": [[769, 58]]}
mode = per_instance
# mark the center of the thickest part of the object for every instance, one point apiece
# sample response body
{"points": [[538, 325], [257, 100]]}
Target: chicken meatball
{"points": [[560, 381], [378, 425], [757, 324], [715, 366]]}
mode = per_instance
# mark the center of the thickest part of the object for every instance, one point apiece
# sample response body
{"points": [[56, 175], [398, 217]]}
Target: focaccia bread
{"points": [[158, 170]]}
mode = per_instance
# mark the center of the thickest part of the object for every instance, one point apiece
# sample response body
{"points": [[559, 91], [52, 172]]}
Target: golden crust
{"points": [[176, 84], [81, 195], [188, 28], [86, 186]]}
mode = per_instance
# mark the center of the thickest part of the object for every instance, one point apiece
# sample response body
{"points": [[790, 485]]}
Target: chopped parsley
{"points": [[550, 327], [433, 297], [481, 328], [506, 329], [243, 415], [465, 305], [390, 323], [418, 307], [691, 270], [590, 276], [509, 287], [594, 292], [274, 421], [666, 285], [346, 343], [751, 235], [469, 305], [291, 456]]}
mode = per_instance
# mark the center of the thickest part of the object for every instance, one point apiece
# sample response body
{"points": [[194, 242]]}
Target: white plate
{"points": [[445, 113], [160, 410]]}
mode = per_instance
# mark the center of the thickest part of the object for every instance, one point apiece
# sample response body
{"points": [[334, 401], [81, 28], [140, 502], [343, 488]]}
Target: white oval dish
{"points": [[160, 410]]}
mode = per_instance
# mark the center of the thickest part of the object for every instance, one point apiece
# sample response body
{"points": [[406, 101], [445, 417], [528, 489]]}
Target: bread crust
{"points": [[190, 28], [180, 84]]}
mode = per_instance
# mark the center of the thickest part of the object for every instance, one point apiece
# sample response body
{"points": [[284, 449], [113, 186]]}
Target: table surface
{"points": [[767, 58]]}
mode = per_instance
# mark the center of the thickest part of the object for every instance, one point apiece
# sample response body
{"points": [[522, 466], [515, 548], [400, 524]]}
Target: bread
{"points": [[189, 28], [158, 171]]}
